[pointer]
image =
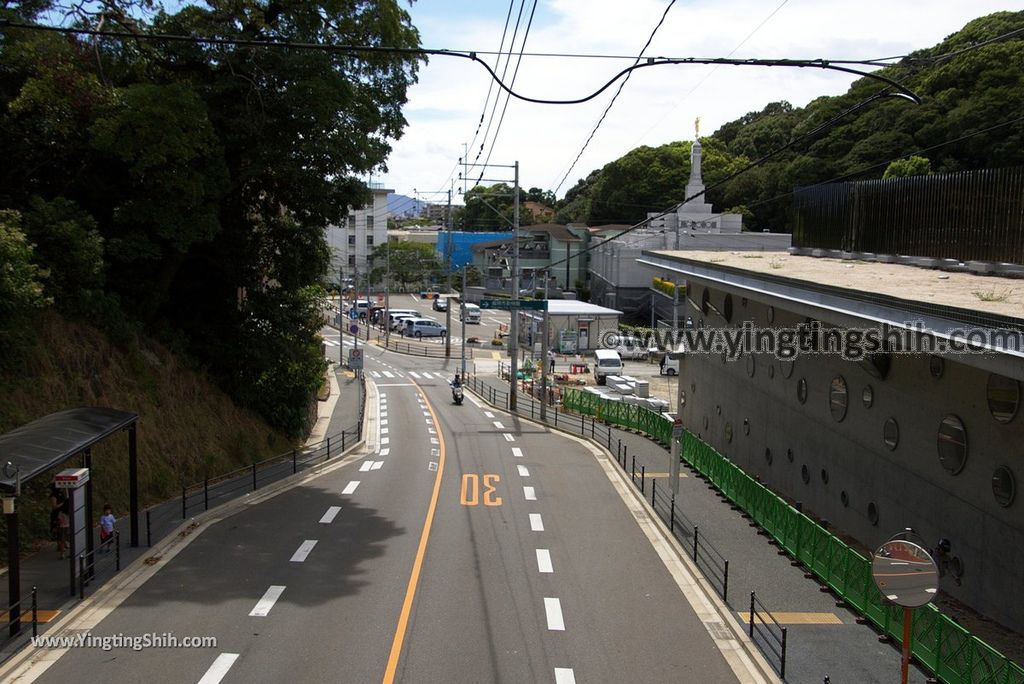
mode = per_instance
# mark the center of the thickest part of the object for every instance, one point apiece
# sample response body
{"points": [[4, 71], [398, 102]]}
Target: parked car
{"points": [[440, 304], [631, 348], [398, 319], [424, 327]]}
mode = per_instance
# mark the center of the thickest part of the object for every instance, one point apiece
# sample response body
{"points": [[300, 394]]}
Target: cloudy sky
{"points": [[658, 105]]}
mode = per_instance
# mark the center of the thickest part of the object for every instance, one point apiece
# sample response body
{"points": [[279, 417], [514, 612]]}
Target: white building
{"points": [[363, 231]]}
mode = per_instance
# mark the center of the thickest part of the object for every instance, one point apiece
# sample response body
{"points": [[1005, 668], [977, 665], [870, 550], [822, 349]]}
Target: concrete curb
{"points": [[739, 651], [31, 662]]}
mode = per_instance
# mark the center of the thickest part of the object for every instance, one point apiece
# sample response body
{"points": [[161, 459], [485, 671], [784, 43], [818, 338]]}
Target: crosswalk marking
{"points": [[414, 374], [388, 374]]}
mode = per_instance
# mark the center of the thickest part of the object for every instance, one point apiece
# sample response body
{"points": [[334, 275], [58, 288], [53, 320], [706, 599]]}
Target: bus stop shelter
{"points": [[47, 443]]}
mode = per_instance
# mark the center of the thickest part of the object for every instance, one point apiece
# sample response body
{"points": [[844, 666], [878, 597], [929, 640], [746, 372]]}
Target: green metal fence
{"points": [[939, 643]]}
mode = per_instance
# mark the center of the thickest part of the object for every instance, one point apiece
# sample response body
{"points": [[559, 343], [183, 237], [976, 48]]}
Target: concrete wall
{"points": [[907, 485]]}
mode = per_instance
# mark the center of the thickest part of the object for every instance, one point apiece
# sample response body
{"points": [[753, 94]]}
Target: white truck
{"points": [[606, 362], [469, 313]]}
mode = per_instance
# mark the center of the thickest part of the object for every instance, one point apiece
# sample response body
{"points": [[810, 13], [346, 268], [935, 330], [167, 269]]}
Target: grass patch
{"points": [[993, 295]]}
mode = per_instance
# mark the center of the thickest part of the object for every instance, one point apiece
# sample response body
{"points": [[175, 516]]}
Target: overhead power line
{"points": [[614, 97], [830, 65]]}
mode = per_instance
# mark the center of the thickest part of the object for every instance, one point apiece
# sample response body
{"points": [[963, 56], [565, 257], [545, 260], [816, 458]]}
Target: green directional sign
{"points": [[509, 304]]}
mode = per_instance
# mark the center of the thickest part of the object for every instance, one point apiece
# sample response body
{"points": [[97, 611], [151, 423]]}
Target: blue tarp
{"points": [[462, 245]]}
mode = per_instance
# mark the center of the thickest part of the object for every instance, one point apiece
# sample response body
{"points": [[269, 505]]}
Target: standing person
{"points": [[107, 521], [551, 359], [58, 527]]}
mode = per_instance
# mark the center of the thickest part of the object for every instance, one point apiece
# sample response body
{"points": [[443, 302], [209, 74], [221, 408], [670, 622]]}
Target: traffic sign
{"points": [[512, 304], [355, 359], [353, 314], [354, 329]]}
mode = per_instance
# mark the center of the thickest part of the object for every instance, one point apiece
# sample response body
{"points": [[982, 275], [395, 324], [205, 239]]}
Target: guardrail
{"points": [[397, 344], [769, 632], [941, 645], [90, 565], [249, 478], [15, 617]]}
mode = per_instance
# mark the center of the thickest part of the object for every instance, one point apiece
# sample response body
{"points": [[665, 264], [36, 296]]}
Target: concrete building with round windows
{"points": [[877, 431]]}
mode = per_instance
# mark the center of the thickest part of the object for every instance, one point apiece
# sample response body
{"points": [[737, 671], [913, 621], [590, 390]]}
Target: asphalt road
{"points": [[473, 549]]}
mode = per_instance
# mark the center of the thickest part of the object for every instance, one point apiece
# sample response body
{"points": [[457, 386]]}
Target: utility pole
{"points": [[448, 287], [355, 303], [462, 302], [387, 295], [544, 356], [514, 323]]}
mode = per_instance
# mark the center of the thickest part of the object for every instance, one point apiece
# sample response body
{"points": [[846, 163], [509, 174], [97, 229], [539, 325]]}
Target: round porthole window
{"points": [[1003, 397], [693, 387], [771, 372], [824, 476], [718, 409], [768, 456], [705, 422], [801, 390], [786, 366], [789, 455], [837, 398], [805, 474], [771, 315], [868, 396], [873, 513], [682, 398], [750, 365], [1004, 489], [844, 498], [891, 433], [727, 308], [705, 301], [728, 432], [746, 426], [952, 444], [935, 366]]}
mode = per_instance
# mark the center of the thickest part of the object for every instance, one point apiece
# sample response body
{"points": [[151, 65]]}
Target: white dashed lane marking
{"points": [[523, 471], [553, 610], [264, 605], [303, 551], [536, 522], [544, 561], [517, 452], [330, 515], [350, 487], [529, 494], [220, 667]]}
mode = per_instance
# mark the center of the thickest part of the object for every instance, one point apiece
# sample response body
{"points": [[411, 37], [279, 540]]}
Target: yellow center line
{"points": [[417, 565]]}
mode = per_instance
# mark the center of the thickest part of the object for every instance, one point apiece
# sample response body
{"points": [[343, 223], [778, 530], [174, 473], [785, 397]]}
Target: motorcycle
{"points": [[457, 394]]}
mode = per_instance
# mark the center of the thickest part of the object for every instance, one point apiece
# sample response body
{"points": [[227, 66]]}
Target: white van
{"points": [[470, 313], [398, 319], [670, 362], [606, 362], [424, 327]]}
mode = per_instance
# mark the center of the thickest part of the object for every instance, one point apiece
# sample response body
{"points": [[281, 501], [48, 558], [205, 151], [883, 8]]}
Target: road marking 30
{"points": [[469, 493], [264, 605]]}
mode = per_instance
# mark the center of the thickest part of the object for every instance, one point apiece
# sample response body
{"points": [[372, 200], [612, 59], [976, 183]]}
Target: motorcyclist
{"points": [[457, 389], [457, 382]]}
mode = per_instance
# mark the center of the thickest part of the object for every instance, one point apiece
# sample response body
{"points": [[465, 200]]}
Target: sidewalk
{"points": [[51, 575], [822, 638]]}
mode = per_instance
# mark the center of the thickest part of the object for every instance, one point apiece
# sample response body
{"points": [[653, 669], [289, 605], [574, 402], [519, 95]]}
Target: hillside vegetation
{"points": [[187, 428], [972, 94]]}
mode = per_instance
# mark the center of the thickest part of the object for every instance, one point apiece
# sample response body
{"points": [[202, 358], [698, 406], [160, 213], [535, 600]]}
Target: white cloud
{"points": [[657, 105]]}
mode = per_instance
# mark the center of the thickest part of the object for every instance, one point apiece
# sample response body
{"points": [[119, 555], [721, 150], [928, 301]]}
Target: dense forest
{"points": [[970, 117], [182, 188]]}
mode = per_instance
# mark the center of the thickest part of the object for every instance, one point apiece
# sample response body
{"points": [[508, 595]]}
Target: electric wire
{"points": [[819, 63], [615, 97]]}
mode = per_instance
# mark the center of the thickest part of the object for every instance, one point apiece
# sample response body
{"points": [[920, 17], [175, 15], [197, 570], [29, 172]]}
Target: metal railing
{"points": [[16, 617], [398, 344], [768, 634], [941, 645], [229, 485], [92, 568]]}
